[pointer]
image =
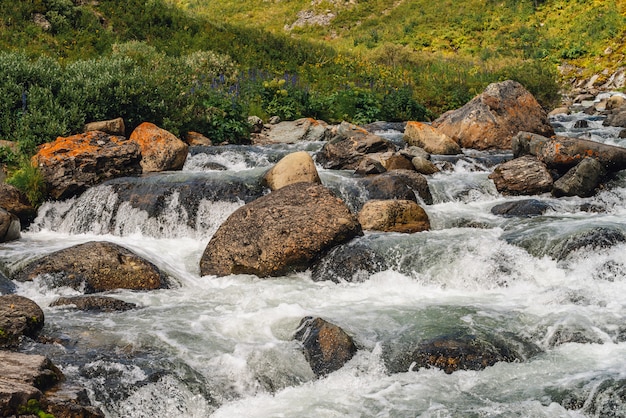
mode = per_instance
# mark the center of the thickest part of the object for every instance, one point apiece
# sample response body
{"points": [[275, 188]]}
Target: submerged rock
{"points": [[491, 119], [160, 149], [522, 208], [94, 303], [393, 216], [18, 316], [71, 165], [326, 346], [297, 167], [454, 352], [350, 262], [103, 266], [601, 237], [281, 232]]}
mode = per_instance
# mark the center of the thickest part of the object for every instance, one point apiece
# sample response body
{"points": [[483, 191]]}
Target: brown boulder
{"points": [[280, 232], [160, 149], [16, 202], [398, 184], [349, 146], [326, 346], [297, 167], [71, 165], [393, 216], [492, 118], [424, 166], [197, 139], [18, 316], [98, 266], [430, 139], [111, 127], [9, 226], [522, 176]]}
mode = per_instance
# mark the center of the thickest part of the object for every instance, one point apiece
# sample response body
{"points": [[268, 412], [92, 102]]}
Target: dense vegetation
{"points": [[173, 63]]}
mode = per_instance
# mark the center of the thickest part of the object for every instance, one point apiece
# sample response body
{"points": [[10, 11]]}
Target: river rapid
{"points": [[223, 347]]}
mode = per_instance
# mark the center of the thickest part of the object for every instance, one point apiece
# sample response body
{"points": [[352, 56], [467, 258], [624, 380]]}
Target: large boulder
{"points": [[291, 132], [16, 202], [160, 149], [430, 139], [19, 316], [72, 164], [393, 216], [278, 233], [522, 176], [9, 226], [96, 267], [492, 118], [297, 167], [349, 146], [581, 180], [111, 127], [326, 346]]}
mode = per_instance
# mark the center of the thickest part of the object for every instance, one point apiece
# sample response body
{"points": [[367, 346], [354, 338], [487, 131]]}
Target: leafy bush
{"points": [[29, 180]]}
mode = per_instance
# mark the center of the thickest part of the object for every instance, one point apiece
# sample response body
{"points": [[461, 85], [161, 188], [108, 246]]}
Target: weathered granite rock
{"points": [[71, 165], [9, 226], [395, 161], [430, 139], [581, 180], [563, 153], [111, 127], [617, 117], [350, 262], [492, 118], [349, 146], [521, 208], [16, 202], [96, 266], [278, 233], [424, 166], [291, 132], [297, 167], [522, 176], [398, 184], [94, 303], [24, 377], [160, 149], [18, 316], [326, 346], [393, 216]]}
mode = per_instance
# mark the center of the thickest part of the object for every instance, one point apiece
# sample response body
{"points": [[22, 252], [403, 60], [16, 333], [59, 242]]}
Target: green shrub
{"points": [[29, 180]]}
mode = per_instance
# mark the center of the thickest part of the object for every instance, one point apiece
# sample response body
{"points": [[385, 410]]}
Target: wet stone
{"points": [[521, 208], [94, 303]]}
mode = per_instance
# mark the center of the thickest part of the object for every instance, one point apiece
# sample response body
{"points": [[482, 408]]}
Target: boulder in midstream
{"points": [[94, 303], [394, 216], [297, 167], [19, 316], [354, 261], [160, 150], [521, 208], [522, 176]]}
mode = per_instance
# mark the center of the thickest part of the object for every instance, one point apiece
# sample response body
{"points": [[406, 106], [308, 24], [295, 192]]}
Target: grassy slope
{"points": [[556, 30]]}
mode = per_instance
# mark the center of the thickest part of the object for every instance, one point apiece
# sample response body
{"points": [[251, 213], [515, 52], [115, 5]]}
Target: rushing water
{"points": [[223, 347]]}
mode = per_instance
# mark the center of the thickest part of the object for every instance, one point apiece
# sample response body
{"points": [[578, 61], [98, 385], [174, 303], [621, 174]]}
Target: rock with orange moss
{"points": [[160, 149], [70, 165], [430, 139], [491, 119], [350, 146], [326, 346]]}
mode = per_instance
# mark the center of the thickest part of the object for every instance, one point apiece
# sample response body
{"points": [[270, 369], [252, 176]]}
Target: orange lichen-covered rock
{"points": [[72, 164], [491, 119], [160, 149]]}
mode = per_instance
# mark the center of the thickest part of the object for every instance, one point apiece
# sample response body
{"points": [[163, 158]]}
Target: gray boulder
{"points": [[581, 180]]}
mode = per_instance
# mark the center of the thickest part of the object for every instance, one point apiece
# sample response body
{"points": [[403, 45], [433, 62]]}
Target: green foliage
{"points": [[33, 407], [29, 180]]}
